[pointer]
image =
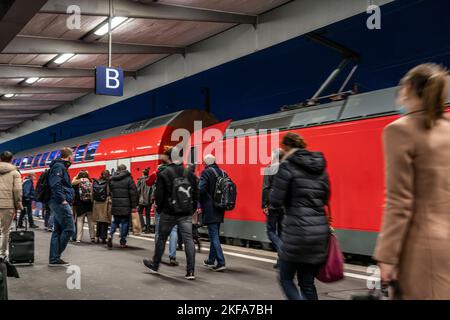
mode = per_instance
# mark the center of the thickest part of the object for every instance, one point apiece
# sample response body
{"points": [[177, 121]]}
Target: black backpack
{"points": [[181, 200], [100, 191], [43, 192], [224, 192]]}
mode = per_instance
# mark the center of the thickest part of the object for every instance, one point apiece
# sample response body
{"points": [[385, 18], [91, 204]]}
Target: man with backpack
{"points": [[217, 195], [144, 200], [61, 198], [43, 196], [176, 195]]}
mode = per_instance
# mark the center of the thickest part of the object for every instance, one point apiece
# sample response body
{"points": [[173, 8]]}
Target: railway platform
{"points": [[118, 274]]}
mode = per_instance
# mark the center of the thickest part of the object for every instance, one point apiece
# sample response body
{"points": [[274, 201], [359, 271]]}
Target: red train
{"points": [[348, 132]]}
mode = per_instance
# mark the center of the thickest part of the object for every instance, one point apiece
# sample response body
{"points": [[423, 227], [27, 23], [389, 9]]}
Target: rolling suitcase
{"points": [[21, 245]]}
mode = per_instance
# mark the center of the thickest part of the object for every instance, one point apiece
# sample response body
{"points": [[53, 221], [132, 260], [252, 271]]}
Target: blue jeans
{"points": [[122, 222], [274, 218], [37, 208], [215, 251], [63, 229], [305, 276], [173, 237]]}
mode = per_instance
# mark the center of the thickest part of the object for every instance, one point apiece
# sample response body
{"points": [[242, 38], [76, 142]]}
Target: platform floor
{"points": [[119, 274]]}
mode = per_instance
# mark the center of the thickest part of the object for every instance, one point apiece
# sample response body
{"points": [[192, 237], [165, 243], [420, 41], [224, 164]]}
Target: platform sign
{"points": [[109, 81]]}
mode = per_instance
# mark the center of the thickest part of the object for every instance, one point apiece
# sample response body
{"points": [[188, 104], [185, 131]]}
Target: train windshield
{"points": [[51, 157], [36, 160], [90, 153], [44, 157], [80, 153]]}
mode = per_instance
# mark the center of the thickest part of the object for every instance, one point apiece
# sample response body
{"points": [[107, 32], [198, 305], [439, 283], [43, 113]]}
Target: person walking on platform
{"points": [[82, 186], [10, 198], [28, 195], [302, 187], [176, 197], [101, 212], [61, 198], [274, 215], [212, 215], [173, 236], [144, 200], [413, 248], [124, 200]]}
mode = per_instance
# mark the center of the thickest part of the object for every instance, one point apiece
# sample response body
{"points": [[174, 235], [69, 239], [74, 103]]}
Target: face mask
{"points": [[402, 110]]}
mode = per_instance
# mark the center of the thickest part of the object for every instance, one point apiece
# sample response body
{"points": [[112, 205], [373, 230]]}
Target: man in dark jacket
{"points": [[124, 197], [274, 215], [28, 195], [212, 216], [302, 186], [144, 200], [169, 217], [61, 199]]}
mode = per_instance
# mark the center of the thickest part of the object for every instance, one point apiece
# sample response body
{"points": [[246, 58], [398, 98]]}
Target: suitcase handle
{"points": [[25, 218]]}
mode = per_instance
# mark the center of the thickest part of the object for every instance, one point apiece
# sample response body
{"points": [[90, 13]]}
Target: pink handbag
{"points": [[333, 269]]}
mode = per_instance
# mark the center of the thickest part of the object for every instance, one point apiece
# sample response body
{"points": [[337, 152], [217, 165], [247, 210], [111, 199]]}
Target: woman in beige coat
{"points": [[414, 243], [102, 209]]}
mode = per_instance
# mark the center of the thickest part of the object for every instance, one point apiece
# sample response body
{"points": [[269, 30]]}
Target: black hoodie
{"points": [[302, 187], [123, 193]]}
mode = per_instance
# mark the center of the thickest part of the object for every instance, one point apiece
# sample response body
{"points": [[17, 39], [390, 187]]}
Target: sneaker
{"points": [[59, 263], [109, 242], [123, 246], [173, 262], [219, 268], [78, 241], [103, 241], [149, 264], [207, 264], [190, 276], [180, 248]]}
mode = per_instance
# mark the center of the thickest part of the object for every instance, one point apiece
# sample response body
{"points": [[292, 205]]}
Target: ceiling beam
{"points": [[10, 121], [12, 72], [40, 45], [11, 113], [148, 10], [25, 109], [41, 90], [15, 16], [16, 103]]}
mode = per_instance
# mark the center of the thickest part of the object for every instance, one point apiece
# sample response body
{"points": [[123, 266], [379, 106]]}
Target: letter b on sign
{"points": [[109, 81]]}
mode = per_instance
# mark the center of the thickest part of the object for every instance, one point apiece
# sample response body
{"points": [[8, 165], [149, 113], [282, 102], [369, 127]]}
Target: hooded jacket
{"points": [[207, 185], [10, 187], [144, 191], [123, 193], [302, 187], [59, 182]]}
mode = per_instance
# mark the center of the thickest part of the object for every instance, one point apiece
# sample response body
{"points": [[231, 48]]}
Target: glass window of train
{"points": [[158, 122], [51, 157], [79, 155], [282, 122], [36, 160], [58, 153], [74, 149], [24, 162], [91, 150], [318, 116], [29, 162], [18, 160], [43, 158]]}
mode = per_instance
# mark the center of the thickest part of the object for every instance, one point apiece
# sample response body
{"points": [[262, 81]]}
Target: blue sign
{"points": [[109, 81]]}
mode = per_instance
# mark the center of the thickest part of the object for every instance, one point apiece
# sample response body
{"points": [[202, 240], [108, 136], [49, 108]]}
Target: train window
{"points": [[275, 123], [91, 150], [29, 162], [51, 157], [24, 162], [80, 153], [322, 114], [44, 157], [73, 149], [36, 160], [18, 162], [58, 154]]}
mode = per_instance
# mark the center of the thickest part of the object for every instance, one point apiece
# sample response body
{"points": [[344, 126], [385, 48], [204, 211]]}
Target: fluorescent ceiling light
{"points": [[116, 21], [32, 80], [64, 57], [9, 95]]}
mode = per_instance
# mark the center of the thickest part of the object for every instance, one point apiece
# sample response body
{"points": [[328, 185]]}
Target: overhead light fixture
{"points": [[9, 95], [63, 58], [32, 80], [116, 21]]}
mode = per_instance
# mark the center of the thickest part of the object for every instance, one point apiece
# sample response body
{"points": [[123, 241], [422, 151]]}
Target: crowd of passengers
{"points": [[414, 241]]}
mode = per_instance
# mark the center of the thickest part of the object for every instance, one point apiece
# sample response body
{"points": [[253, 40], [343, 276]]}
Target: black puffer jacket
{"points": [[302, 187], [124, 194]]}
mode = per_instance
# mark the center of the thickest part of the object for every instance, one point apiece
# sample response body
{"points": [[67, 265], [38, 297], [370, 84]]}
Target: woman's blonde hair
{"points": [[429, 82]]}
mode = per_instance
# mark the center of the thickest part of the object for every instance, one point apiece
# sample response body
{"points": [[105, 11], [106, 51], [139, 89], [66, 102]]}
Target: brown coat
{"points": [[415, 235], [101, 211], [10, 187]]}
